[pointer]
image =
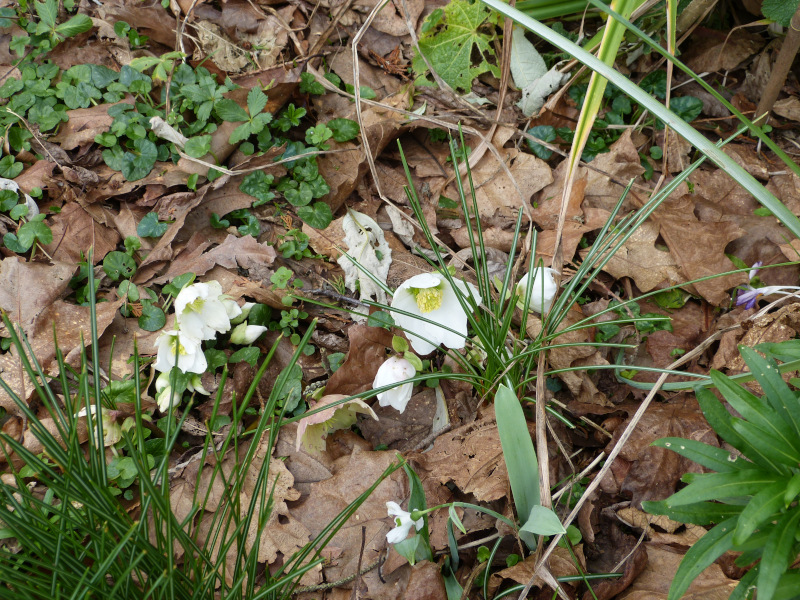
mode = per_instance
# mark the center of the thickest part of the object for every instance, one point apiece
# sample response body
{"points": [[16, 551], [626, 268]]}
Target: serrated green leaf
{"points": [[704, 552], [780, 11], [256, 101], [716, 486], [343, 130], [228, 110], [77, 24], [47, 11], [716, 459]]}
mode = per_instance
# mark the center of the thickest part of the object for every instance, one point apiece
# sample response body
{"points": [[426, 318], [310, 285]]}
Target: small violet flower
{"points": [[403, 523], [543, 289], [190, 355], [430, 296], [749, 296], [395, 370], [202, 311], [244, 334]]}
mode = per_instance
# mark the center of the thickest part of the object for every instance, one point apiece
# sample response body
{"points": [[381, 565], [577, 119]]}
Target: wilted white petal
{"points": [[394, 370]]}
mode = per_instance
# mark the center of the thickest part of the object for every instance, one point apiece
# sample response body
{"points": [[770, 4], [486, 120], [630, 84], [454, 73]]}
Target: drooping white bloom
{"points": [[245, 312], [403, 523], [393, 371], [543, 289], [112, 431], [202, 311], [164, 396], [190, 355], [430, 295], [244, 334]]}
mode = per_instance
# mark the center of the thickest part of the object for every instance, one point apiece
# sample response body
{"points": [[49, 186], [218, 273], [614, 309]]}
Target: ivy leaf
{"points": [[9, 168], [118, 265], [32, 231], [138, 165], [546, 133], [309, 85], [450, 50], [150, 227], [153, 318], [249, 355], [318, 215], [198, 146], [8, 200], [343, 130], [258, 184], [687, 108], [11, 241]]}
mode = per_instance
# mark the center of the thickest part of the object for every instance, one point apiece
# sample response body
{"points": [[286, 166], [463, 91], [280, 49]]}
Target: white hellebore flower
{"points": [[244, 334], [403, 523], [190, 355], [202, 311], [245, 312], [430, 296], [393, 371], [543, 291], [112, 431], [164, 396]]}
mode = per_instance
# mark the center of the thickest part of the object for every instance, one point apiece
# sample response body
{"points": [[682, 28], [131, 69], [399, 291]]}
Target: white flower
{"points": [[190, 355], [164, 396], [243, 314], [202, 311], [430, 296], [112, 431], [244, 334], [393, 371], [403, 523], [543, 291]]}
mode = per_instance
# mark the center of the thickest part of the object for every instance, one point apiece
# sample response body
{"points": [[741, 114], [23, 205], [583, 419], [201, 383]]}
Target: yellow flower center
{"points": [[181, 349], [429, 299], [195, 306]]}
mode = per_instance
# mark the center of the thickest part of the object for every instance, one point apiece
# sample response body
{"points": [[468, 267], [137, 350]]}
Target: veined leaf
{"points": [[716, 486], [256, 101], [77, 24], [700, 513], [228, 110], [704, 552], [759, 510], [775, 389], [716, 459], [778, 551]]}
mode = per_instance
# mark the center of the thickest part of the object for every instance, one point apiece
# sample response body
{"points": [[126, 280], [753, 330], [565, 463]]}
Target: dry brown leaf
{"points": [[353, 474], [27, 289], [402, 431], [83, 125], [663, 561], [711, 50], [687, 534], [788, 108], [561, 564], [75, 232], [235, 252], [368, 347], [471, 457], [640, 259], [644, 472]]}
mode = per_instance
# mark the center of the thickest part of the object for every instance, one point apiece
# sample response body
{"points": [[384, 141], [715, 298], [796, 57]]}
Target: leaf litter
{"points": [[217, 230]]}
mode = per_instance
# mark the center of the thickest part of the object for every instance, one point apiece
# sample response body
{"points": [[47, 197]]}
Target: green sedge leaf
{"points": [[778, 551], [710, 457], [777, 393], [704, 552], [699, 513], [760, 509], [717, 486]]}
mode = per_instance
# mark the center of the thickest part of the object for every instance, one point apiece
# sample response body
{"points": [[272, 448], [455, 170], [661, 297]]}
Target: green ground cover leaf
{"points": [[450, 50]]}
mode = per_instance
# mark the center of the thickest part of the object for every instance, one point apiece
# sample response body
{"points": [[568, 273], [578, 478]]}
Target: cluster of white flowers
{"points": [[201, 312]]}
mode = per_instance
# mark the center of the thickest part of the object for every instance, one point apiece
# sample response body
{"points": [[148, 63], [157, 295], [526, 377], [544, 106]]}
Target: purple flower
{"points": [[749, 296]]}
